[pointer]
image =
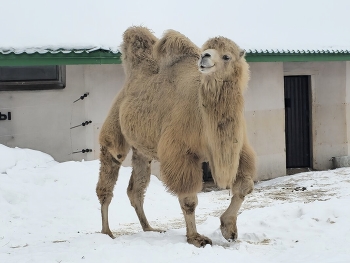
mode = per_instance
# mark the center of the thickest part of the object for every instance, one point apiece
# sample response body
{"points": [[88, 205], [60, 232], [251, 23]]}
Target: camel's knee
{"points": [[188, 204], [247, 187], [105, 197], [243, 187]]}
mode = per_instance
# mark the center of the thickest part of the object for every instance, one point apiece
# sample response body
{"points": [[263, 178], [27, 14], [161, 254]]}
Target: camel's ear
{"points": [[241, 53]]}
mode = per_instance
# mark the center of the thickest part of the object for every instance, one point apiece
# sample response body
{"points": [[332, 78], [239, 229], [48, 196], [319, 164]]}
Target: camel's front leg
{"points": [[229, 217], [188, 205], [242, 186]]}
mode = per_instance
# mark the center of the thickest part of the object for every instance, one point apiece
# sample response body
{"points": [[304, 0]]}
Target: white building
{"points": [[297, 103]]}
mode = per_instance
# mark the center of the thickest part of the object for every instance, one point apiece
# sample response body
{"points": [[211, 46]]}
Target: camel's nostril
{"points": [[206, 55]]}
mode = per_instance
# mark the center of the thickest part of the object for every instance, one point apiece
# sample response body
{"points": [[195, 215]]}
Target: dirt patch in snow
{"points": [[305, 188]]}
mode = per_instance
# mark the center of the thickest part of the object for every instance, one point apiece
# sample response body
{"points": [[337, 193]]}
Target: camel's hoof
{"points": [[199, 240], [151, 229], [108, 232], [229, 232]]}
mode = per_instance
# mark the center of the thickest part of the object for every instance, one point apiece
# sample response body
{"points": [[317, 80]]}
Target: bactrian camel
{"points": [[182, 106]]}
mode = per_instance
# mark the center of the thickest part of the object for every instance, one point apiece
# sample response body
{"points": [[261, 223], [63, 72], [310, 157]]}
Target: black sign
{"points": [[4, 117]]}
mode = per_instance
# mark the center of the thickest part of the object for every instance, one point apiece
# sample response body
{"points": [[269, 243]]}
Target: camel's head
{"points": [[221, 58]]}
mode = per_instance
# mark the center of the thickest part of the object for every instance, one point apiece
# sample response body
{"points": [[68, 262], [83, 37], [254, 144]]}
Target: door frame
{"points": [[311, 74]]}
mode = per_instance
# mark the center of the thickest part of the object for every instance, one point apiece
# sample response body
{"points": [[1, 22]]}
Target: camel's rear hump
{"points": [[137, 49]]}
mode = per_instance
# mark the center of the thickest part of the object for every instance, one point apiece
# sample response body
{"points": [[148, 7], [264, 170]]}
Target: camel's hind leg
{"points": [[243, 185], [139, 180], [108, 176]]}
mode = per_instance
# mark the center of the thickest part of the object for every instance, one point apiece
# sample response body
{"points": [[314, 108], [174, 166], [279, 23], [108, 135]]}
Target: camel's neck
{"points": [[222, 110], [222, 100]]}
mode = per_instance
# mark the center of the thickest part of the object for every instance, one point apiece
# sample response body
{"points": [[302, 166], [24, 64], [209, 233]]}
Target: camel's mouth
{"points": [[205, 67]]}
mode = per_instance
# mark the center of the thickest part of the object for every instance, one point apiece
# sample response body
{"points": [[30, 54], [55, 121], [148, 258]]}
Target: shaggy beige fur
{"points": [[182, 107]]}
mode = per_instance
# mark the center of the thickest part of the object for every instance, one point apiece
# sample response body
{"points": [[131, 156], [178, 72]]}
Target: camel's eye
{"points": [[226, 57]]}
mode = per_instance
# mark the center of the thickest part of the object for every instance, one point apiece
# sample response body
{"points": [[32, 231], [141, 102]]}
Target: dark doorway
{"points": [[207, 176], [297, 114]]}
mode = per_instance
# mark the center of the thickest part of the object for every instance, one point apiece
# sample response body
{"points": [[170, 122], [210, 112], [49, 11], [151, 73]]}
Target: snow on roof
{"points": [[52, 50], [262, 25]]}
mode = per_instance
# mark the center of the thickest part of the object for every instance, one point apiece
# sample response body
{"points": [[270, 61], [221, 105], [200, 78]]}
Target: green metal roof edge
{"points": [[101, 56], [60, 58], [297, 57]]}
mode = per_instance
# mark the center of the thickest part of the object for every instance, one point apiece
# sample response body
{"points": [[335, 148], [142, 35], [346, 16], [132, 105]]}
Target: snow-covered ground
{"points": [[49, 213]]}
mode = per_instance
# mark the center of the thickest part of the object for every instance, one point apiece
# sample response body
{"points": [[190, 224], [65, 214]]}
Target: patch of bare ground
{"points": [[265, 241], [177, 223], [20, 246], [304, 188], [60, 241]]}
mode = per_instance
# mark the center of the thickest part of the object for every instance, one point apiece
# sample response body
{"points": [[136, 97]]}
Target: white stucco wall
{"points": [[42, 119], [347, 104], [264, 111]]}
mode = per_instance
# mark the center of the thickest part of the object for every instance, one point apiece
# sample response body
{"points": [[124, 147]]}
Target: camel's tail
{"points": [[137, 49], [174, 46]]}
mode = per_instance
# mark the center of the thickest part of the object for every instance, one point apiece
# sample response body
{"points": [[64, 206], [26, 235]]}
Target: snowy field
{"points": [[49, 213]]}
